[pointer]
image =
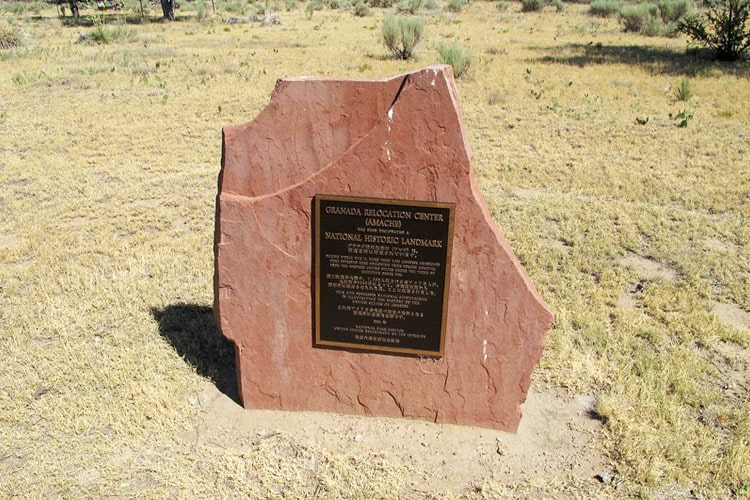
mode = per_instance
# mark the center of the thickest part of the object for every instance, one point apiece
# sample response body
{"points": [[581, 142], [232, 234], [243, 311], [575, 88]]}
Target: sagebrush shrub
{"points": [[452, 53], [455, 5], [402, 35], [673, 10], [383, 4], [361, 9], [635, 17], [531, 5], [502, 5], [605, 8], [558, 5], [102, 34], [723, 28], [409, 6]]}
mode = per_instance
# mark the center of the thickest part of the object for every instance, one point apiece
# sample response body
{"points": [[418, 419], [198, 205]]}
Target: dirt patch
{"points": [[554, 244], [556, 439], [718, 245], [731, 314], [527, 194], [9, 240], [648, 268]]}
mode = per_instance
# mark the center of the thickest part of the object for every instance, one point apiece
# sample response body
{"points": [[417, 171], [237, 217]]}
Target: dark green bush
{"points": [[723, 28]]}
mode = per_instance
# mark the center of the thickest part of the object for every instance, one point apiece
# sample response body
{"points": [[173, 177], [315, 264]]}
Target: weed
{"points": [[28, 77], [18, 8], [683, 117], [531, 5], [402, 35], [494, 97], [723, 28], [431, 5], [635, 17], [11, 37], [558, 5], [455, 5], [102, 34], [408, 6], [361, 9], [672, 11], [452, 53], [502, 5], [382, 4], [605, 8], [683, 92]]}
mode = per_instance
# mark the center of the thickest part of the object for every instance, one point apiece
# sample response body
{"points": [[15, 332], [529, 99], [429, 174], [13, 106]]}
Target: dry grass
{"points": [[108, 165]]}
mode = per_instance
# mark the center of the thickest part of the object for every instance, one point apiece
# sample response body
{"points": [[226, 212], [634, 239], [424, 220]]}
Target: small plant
{"points": [[402, 35], [455, 5], [683, 92], [431, 5], [502, 5], [11, 37], [723, 28], [457, 57], [531, 5], [635, 17], [672, 11], [382, 4], [605, 8], [201, 12], [290, 5], [409, 6], [102, 34], [558, 5], [312, 6], [361, 9], [683, 117]]}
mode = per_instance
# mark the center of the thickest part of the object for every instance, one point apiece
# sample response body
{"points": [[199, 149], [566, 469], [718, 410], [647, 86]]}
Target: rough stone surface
{"points": [[398, 138]]}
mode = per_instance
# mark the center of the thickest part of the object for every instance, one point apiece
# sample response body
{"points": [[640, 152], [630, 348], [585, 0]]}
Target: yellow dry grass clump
{"points": [[635, 230]]}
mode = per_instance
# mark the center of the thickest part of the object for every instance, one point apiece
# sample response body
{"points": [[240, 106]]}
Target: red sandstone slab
{"points": [[400, 138]]}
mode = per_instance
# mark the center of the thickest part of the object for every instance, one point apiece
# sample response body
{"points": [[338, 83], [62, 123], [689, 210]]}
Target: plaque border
{"points": [[446, 285]]}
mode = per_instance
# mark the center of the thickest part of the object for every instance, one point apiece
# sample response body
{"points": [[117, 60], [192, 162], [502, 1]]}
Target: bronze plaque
{"points": [[382, 273]]}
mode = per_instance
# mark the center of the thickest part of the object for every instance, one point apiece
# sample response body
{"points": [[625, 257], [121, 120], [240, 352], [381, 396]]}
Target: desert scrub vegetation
{"points": [[12, 36], [651, 19], [408, 6], [532, 5], [723, 28], [104, 34], [361, 9], [605, 8], [402, 35], [455, 6], [457, 57], [683, 91]]}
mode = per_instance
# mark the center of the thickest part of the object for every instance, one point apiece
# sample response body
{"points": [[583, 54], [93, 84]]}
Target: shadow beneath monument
{"points": [[191, 329]]}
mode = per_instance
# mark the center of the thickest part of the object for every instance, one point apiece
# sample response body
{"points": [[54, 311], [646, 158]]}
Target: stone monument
{"points": [[357, 269]]}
